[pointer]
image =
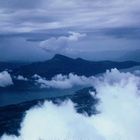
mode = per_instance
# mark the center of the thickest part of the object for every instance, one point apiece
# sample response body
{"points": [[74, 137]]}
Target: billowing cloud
{"points": [[62, 43], [20, 77], [63, 81], [118, 117], [5, 79]]}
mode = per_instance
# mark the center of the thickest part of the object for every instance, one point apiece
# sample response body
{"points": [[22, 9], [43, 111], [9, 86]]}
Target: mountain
{"points": [[61, 64], [10, 65]]}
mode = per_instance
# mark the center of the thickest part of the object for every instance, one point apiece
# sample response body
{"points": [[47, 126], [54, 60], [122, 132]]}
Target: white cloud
{"points": [[120, 101], [5, 79], [20, 77], [62, 43], [75, 36], [119, 116], [64, 81]]}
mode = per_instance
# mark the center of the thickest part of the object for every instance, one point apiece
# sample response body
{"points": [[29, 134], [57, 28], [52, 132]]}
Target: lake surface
{"points": [[14, 97]]}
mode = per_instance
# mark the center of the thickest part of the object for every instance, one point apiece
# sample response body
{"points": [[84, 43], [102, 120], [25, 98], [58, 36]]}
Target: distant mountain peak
{"points": [[61, 64], [79, 59], [60, 57]]}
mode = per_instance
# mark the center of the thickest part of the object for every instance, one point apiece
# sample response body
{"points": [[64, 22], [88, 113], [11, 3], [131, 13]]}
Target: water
{"points": [[14, 97]]}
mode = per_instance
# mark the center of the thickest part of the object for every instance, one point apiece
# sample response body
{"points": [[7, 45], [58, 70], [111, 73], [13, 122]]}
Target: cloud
{"points": [[68, 81], [137, 72], [118, 118], [5, 79], [46, 14], [63, 81], [57, 122], [19, 5], [20, 77], [62, 43], [87, 45]]}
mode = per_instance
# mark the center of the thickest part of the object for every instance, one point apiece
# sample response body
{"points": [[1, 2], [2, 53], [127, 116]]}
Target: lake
{"points": [[14, 97]]}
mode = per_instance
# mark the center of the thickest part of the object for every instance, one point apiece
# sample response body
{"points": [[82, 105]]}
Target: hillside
{"points": [[65, 65]]}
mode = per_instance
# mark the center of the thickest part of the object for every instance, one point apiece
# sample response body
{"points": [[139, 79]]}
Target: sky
{"points": [[35, 30]]}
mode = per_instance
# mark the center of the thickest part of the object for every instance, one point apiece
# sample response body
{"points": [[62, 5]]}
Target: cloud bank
{"points": [[118, 118], [5, 79], [46, 14], [62, 44], [64, 81]]}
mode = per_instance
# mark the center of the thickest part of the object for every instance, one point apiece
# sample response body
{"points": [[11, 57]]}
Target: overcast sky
{"points": [[32, 30]]}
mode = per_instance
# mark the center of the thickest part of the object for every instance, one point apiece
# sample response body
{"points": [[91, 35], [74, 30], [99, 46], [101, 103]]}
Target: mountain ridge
{"points": [[61, 64]]}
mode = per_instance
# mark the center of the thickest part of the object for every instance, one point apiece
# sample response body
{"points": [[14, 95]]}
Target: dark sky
{"points": [[34, 30]]}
